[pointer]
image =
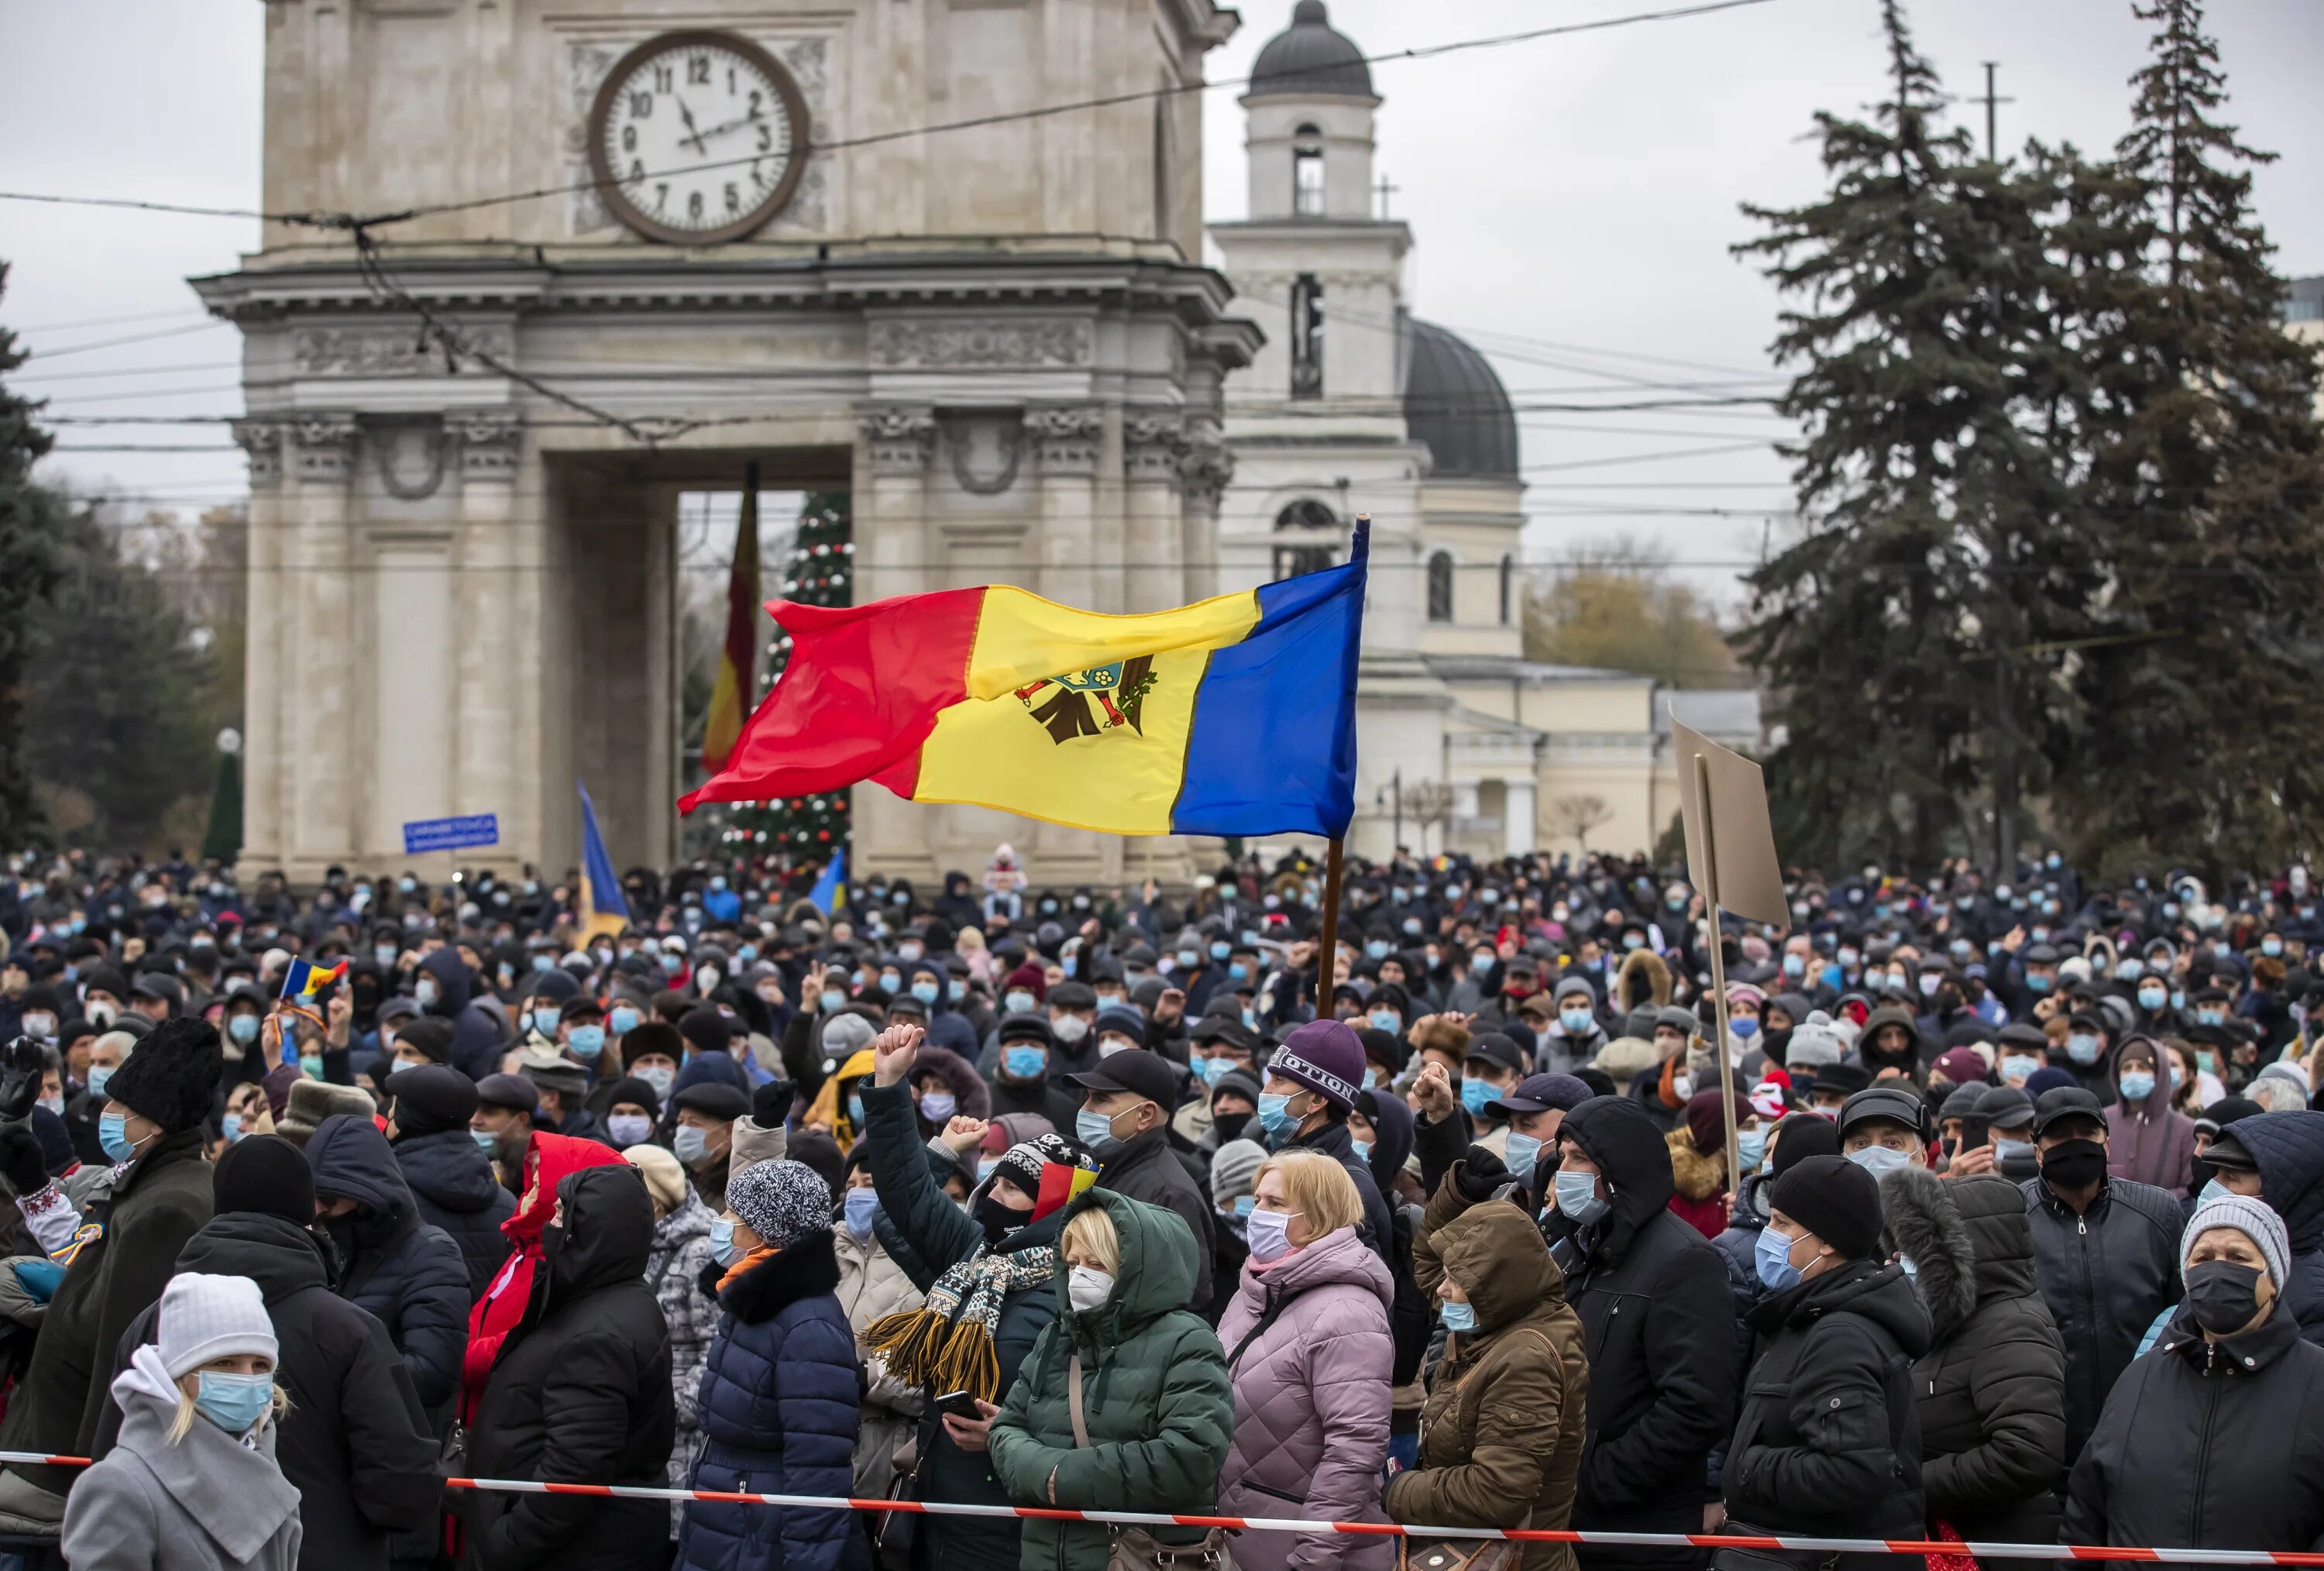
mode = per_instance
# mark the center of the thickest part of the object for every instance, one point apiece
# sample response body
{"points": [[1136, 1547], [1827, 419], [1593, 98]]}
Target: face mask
{"points": [[1189, 958], [630, 1129], [2038, 982], [956, 990], [2271, 947], [937, 1106], [1275, 1115], [1578, 1198], [2151, 998], [856, 1110], [2137, 1086], [671, 965], [233, 1402], [588, 1041], [1387, 1020], [1363, 1149], [829, 1000], [659, 1077], [986, 1166], [230, 1126], [1086, 1287], [1474, 1094], [722, 1247], [112, 1133], [1457, 1316], [2222, 1296], [2012, 1150], [1771, 1254], [1574, 1021], [1070, 1029], [2210, 1017], [1482, 960], [890, 983], [423, 992], [1743, 1027], [1750, 1147], [997, 1220], [1879, 1161], [1023, 1063], [544, 1020], [2128, 971], [857, 1207], [2212, 1190], [311, 1065], [40, 1026], [1523, 1151], [55, 1104], [486, 1140], [2074, 1164], [689, 1145], [925, 991], [1019, 1003], [2082, 1049], [1270, 1234]]}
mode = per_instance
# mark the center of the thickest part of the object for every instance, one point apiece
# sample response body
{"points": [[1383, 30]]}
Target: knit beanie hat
{"points": [[172, 1076], [781, 1201], [431, 1036], [1027, 1164], [1814, 1043], [431, 1098], [2255, 1220], [665, 1178], [1706, 1121], [1805, 1135], [205, 1316], [1235, 1169], [1326, 1056], [845, 1035], [265, 1173], [706, 1030], [1835, 1199]]}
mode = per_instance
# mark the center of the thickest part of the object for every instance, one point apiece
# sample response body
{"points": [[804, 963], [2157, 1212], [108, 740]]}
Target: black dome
{"points": [[1309, 59], [1454, 402]]}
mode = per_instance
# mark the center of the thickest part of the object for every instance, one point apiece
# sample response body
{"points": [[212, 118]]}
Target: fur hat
{"points": [[313, 1101], [172, 1076], [1625, 1059], [781, 1201]]}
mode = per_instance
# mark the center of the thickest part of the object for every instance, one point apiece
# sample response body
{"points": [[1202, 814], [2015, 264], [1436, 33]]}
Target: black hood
{"points": [[1615, 1134], [453, 983], [1882, 1294], [2289, 1148], [1968, 1238], [447, 1169], [351, 1158], [281, 1256], [1392, 1133], [607, 1232]]}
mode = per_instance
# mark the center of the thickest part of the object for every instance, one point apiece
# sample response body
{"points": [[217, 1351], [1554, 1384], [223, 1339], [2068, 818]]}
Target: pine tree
{"points": [[29, 515], [820, 571], [2206, 471], [1934, 507]]}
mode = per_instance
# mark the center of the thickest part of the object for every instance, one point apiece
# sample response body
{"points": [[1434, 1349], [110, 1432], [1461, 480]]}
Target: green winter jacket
{"points": [[1155, 1396]]}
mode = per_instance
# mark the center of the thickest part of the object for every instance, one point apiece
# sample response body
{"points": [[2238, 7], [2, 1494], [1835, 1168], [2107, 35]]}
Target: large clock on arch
{"points": [[697, 137]]}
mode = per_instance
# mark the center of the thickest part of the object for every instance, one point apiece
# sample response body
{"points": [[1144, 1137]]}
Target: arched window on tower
{"points": [[1440, 587], [1307, 337], [1508, 586], [1308, 173], [1302, 535]]}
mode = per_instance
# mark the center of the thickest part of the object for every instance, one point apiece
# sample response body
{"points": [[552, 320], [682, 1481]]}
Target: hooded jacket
{"points": [[1658, 1316], [1145, 1168], [579, 1393], [1312, 1358], [1992, 1387], [453, 1189], [1911, 1059], [2107, 1276], [1644, 980], [355, 1443], [2217, 1444], [1506, 1420], [1156, 1399], [476, 1037], [1828, 1442], [674, 1268], [408, 1274], [505, 1300], [2151, 1142], [2289, 1148], [959, 1077], [778, 1411]]}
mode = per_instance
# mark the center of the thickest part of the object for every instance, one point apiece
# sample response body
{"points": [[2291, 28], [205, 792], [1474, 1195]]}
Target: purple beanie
{"points": [[1326, 1056]]}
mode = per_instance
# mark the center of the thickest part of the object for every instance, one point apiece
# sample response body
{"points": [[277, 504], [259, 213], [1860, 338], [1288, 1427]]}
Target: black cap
{"points": [[1135, 1070], [1224, 1028], [267, 1174], [513, 1092], [1496, 1048], [2028, 1039], [2228, 1153], [1029, 1027], [1835, 1199], [582, 1006], [1539, 1094], [2006, 1107], [2064, 1101], [431, 1098], [1897, 1104], [1072, 996], [1847, 1079], [713, 1099]]}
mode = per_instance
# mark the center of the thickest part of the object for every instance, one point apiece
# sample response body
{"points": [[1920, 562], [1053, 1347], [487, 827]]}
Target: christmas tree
{"points": [[819, 571]]}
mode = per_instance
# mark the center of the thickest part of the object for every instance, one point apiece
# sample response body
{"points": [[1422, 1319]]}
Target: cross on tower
{"points": [[1385, 190]]}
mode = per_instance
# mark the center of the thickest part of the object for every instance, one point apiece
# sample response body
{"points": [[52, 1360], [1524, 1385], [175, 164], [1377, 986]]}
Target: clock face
{"points": [[697, 137]]}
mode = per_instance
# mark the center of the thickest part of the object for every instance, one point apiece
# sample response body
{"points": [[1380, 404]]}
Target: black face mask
{"points": [[1230, 1125], [2222, 1296], [998, 1220], [2073, 1164], [2199, 1173]]}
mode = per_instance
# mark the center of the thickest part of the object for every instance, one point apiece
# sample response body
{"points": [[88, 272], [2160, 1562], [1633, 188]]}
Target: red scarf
{"points": [[550, 1159]]}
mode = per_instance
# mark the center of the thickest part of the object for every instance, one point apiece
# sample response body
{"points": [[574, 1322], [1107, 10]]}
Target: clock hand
{"points": [[688, 115]]}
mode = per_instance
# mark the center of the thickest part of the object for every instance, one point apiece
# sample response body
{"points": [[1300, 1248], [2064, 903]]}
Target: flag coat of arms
{"points": [[1232, 715]]}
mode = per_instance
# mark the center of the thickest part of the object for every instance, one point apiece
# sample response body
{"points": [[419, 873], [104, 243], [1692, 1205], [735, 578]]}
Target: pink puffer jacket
{"points": [[1311, 1406]]}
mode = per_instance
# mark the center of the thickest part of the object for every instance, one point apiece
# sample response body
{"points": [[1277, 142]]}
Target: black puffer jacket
{"points": [[2213, 1444], [476, 1037], [2107, 1276], [1659, 1325], [452, 1185], [406, 1272], [580, 1395], [1144, 1167], [355, 1443], [1992, 1387], [1829, 1441], [2289, 1148]]}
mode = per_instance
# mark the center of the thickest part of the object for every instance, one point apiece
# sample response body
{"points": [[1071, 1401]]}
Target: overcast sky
{"points": [[1572, 199]]}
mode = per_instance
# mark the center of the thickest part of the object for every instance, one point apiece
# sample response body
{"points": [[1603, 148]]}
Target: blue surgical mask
{"points": [[2039, 982], [1238, 972], [1795, 965], [1385, 1020], [230, 1126], [624, 1019], [689, 1145], [233, 1402], [1376, 949], [925, 991], [1095, 1131], [1879, 1161], [1575, 1020], [956, 990], [2018, 1065], [99, 1076], [2137, 1086], [1743, 1027], [544, 1020], [1522, 1153], [543, 963], [2151, 998], [2214, 1190], [113, 1134], [586, 1041], [1457, 1316], [722, 1247], [1578, 1197], [1023, 1063], [243, 1029], [1276, 1117], [1772, 1257], [661, 1076], [2271, 947], [1363, 1150], [486, 1140], [2083, 1048], [1210, 1070], [829, 1000], [1750, 1147], [1221, 949], [1474, 1094], [857, 1207], [1245, 1205], [2210, 1017], [311, 1065], [855, 1110]]}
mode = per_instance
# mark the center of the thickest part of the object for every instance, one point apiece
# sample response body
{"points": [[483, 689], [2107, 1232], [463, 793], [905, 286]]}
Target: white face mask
{"points": [[1087, 1288], [1070, 1029]]}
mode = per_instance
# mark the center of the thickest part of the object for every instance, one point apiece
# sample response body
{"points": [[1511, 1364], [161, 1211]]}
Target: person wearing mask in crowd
{"points": [[779, 1398], [1304, 1105], [1125, 1122], [674, 1265], [872, 1287], [449, 1173], [1798, 1137], [701, 1136], [1124, 1403], [560, 1084], [355, 1442], [2107, 1250], [1310, 1356], [2008, 1113], [1992, 1386], [158, 1197], [504, 1124], [194, 1483], [988, 1273], [1828, 1441], [2087, 1031], [2147, 1138], [1698, 1157], [1020, 1078], [580, 1391], [2232, 1380], [444, 990], [1502, 1435], [409, 1275], [2279, 1157]]}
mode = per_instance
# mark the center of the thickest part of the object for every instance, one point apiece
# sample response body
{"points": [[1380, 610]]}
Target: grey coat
{"points": [[150, 1505]]}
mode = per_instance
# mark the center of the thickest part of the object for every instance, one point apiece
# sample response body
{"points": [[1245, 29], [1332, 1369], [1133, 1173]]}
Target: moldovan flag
{"points": [[735, 688], [602, 910], [1233, 716]]}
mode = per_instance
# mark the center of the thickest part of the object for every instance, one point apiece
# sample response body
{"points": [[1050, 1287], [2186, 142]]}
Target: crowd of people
{"points": [[1007, 1195]]}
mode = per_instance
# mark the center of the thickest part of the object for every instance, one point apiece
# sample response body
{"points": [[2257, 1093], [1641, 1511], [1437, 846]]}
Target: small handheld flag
{"points": [[305, 979]]}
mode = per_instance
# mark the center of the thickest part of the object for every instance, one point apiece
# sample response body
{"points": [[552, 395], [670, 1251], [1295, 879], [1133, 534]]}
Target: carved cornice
{"points": [[261, 440], [492, 443], [1066, 438], [387, 351], [947, 346], [1206, 466], [323, 448], [898, 438], [1153, 443]]}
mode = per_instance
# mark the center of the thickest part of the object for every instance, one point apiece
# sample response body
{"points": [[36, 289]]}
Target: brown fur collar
{"points": [[1697, 1176]]}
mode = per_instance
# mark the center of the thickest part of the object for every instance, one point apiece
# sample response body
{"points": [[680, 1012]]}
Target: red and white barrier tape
{"points": [[1373, 1529]]}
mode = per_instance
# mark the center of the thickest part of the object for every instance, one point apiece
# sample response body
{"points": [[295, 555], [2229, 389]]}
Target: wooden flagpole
{"points": [[1718, 965]]}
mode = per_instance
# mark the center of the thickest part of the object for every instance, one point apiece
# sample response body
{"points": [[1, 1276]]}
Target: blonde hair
{"points": [[1318, 1189], [1092, 1233], [190, 1385]]}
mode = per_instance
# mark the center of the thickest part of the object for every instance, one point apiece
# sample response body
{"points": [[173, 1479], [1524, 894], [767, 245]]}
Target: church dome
{"points": [[1310, 60], [1454, 401]]}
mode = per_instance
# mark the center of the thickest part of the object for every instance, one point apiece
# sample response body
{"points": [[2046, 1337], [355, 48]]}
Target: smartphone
{"points": [[959, 1404], [1975, 1131]]}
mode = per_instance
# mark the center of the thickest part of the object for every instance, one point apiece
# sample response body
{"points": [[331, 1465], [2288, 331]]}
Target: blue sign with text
{"points": [[451, 834]]}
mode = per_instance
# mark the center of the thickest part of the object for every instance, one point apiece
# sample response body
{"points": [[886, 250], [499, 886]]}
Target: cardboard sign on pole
{"points": [[1746, 879]]}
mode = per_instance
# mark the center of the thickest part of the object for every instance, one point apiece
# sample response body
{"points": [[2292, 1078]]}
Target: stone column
{"points": [[499, 589], [1517, 830], [325, 749], [1066, 442], [264, 765], [894, 444], [1205, 468], [1152, 443]]}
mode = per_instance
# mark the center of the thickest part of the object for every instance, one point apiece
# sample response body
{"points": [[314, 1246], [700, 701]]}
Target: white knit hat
{"points": [[2255, 1220], [204, 1318]]}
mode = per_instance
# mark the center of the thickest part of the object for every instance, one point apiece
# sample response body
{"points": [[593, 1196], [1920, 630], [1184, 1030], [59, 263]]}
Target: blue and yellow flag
{"points": [[830, 890], [603, 908]]}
